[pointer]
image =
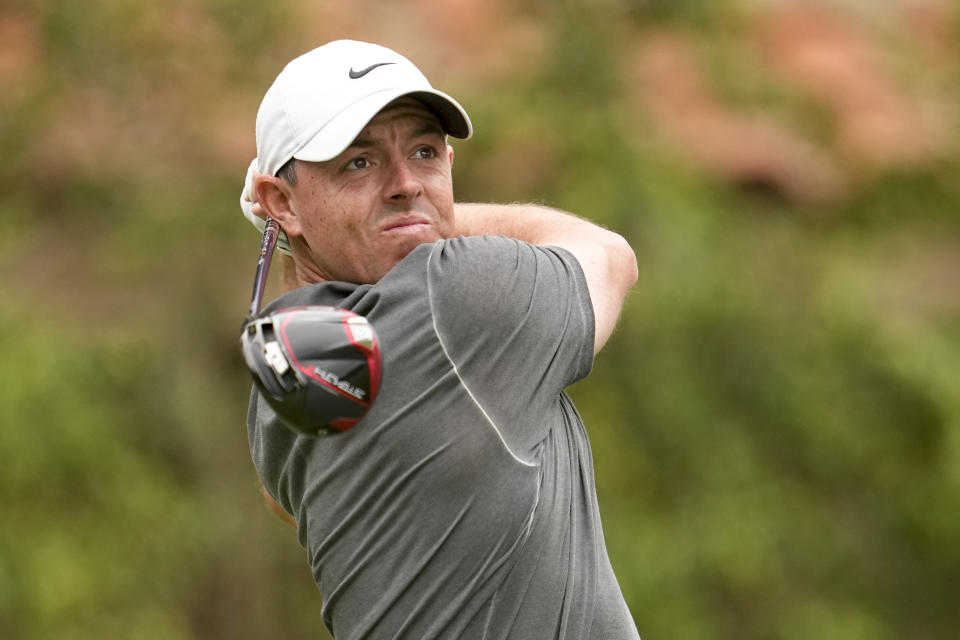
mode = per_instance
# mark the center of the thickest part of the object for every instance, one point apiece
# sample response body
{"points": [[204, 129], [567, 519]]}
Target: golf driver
{"points": [[317, 366]]}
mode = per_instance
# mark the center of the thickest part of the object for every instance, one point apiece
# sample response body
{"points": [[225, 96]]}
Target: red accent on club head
{"points": [[343, 424], [374, 362], [373, 356]]}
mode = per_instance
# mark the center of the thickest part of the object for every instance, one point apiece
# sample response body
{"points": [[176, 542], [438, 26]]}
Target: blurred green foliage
{"points": [[776, 424]]}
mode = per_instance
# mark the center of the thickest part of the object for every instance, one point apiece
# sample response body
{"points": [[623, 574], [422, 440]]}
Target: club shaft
{"points": [[271, 231]]}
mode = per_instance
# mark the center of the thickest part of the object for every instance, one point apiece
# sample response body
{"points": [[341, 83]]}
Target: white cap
{"points": [[322, 100]]}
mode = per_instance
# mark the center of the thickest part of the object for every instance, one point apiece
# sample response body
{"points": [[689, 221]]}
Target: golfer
{"points": [[463, 505]]}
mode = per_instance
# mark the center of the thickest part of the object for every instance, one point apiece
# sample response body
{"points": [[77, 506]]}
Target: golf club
{"points": [[317, 366]]}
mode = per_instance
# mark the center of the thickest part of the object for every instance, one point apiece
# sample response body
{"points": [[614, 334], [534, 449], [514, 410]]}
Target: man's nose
{"points": [[403, 183]]}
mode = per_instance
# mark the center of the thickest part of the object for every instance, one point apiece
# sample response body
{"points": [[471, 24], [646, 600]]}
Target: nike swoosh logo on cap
{"points": [[363, 72]]}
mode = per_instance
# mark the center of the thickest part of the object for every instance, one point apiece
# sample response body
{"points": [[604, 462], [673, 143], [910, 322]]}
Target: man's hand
{"points": [[608, 262]]}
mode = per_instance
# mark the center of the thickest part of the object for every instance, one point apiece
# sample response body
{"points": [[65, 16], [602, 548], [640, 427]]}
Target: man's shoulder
{"points": [[321, 293], [472, 263], [478, 246], [463, 247], [452, 257]]}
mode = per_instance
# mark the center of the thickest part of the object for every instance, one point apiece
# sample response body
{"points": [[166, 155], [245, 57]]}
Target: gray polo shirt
{"points": [[463, 505]]}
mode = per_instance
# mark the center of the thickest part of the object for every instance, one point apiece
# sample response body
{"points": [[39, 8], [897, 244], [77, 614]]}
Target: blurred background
{"points": [[776, 425]]}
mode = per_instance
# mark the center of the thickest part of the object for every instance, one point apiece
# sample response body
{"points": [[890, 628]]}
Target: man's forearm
{"points": [[531, 223]]}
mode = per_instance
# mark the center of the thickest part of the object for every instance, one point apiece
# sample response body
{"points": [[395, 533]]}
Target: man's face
{"points": [[390, 191]]}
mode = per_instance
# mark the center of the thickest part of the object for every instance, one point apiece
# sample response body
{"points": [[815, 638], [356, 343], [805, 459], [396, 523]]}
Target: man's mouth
{"points": [[405, 224]]}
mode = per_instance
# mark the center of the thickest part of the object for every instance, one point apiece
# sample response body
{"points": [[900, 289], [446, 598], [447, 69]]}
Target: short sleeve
{"points": [[516, 321]]}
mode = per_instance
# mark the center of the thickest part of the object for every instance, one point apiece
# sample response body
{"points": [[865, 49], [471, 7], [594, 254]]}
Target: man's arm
{"points": [[608, 262], [278, 511]]}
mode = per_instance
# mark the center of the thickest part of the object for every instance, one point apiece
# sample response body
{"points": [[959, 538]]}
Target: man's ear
{"points": [[274, 195], [450, 153]]}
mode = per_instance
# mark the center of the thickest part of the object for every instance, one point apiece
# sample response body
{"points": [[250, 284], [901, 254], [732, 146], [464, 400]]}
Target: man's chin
{"points": [[399, 247], [408, 239]]}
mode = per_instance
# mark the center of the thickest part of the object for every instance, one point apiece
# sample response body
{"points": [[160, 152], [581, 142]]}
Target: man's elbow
{"points": [[608, 292], [623, 262]]}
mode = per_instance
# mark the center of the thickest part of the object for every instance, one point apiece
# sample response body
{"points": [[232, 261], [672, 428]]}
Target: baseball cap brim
{"points": [[344, 128]]}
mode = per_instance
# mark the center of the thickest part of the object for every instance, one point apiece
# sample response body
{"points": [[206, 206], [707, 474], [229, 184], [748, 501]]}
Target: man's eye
{"points": [[357, 163], [425, 153]]}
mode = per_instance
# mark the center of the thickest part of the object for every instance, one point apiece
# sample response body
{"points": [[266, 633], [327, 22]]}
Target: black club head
{"points": [[318, 367]]}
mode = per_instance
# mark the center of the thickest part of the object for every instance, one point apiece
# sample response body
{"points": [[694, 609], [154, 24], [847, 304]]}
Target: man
{"points": [[463, 505]]}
